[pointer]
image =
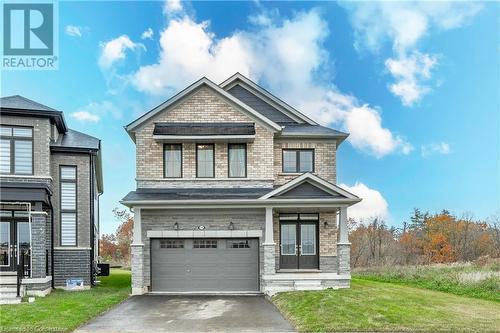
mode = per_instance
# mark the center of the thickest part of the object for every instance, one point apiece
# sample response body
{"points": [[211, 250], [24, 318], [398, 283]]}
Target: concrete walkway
{"points": [[162, 313]]}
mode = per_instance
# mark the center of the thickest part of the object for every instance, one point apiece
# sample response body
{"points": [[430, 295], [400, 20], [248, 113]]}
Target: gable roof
{"points": [[203, 82], [21, 106], [258, 104], [321, 184], [269, 98]]}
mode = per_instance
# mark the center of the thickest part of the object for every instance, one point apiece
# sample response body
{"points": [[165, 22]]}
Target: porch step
{"points": [[9, 294], [8, 279], [308, 285], [16, 300], [8, 273]]}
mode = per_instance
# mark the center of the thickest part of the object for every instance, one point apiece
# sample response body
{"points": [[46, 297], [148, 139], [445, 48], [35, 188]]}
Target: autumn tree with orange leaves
{"points": [[426, 239], [115, 247]]}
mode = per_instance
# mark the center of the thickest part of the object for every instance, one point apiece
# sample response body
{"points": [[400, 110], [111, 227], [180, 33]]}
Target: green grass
{"points": [[378, 306], [63, 311], [460, 279]]}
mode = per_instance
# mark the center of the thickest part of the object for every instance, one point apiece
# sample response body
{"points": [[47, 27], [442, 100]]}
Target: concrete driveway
{"points": [[162, 313]]}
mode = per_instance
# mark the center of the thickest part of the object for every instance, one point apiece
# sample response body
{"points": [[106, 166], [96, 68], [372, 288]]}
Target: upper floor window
{"points": [[205, 161], [172, 158], [298, 160], [68, 205], [237, 160], [16, 150]]}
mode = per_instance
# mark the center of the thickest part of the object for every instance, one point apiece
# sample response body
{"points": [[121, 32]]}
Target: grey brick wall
{"points": [[212, 219], [81, 161], [38, 246], [71, 264]]}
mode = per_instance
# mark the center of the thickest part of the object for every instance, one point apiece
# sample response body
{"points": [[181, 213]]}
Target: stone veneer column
{"points": [[269, 245], [137, 251], [343, 245], [38, 244]]}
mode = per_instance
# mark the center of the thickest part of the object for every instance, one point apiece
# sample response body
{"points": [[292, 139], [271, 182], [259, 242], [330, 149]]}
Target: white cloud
{"points": [[94, 111], [148, 34], [285, 55], [114, 50], [410, 72], [171, 7], [373, 203], [404, 24], [85, 116], [74, 31], [441, 148]]}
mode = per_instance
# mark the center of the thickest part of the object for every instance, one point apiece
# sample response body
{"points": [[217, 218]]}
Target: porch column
{"points": [[269, 245], [137, 252], [343, 245], [38, 244]]}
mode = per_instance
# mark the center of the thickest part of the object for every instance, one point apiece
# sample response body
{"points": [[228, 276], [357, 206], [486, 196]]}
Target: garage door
{"points": [[180, 265]]}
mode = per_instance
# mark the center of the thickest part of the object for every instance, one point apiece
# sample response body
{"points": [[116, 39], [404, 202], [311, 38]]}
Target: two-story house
{"points": [[50, 182], [236, 193]]}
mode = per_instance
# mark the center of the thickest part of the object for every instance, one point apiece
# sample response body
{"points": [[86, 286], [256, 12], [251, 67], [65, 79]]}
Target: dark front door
{"points": [[299, 245], [14, 239]]}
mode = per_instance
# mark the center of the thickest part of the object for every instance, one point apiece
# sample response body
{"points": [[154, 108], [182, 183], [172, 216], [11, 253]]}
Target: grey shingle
{"points": [[316, 131], [23, 103], [195, 194], [75, 139]]}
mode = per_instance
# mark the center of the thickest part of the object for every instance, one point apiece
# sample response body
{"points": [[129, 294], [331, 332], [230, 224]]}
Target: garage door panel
{"points": [[205, 269]]}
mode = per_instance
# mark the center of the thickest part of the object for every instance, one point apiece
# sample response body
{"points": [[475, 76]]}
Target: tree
{"points": [[116, 247]]}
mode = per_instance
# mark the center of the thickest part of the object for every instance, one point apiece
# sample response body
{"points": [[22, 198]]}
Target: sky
{"points": [[415, 84]]}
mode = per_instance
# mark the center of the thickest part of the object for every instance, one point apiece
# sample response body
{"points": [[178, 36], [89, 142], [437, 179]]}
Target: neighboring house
{"points": [[236, 193], [50, 182]]}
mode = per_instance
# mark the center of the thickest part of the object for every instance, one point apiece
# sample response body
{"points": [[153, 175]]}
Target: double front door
{"points": [[299, 244], [14, 239]]}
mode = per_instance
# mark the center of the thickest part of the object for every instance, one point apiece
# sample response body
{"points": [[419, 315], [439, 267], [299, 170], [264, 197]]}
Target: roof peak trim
{"points": [[314, 180]]}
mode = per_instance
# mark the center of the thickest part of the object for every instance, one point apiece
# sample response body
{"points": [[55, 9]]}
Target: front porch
{"points": [[314, 255]]}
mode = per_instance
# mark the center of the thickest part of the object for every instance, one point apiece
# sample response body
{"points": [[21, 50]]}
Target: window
{"points": [[205, 244], [205, 163], [237, 159], [308, 239], [238, 244], [172, 157], [172, 243], [68, 205], [298, 160], [16, 150]]}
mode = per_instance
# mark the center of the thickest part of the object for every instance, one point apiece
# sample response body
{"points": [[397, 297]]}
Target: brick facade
{"points": [[82, 162], [324, 159], [202, 107], [41, 141]]}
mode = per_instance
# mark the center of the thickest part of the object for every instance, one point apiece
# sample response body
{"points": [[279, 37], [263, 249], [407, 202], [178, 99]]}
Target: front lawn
{"points": [[473, 280], [378, 306], [63, 311]]}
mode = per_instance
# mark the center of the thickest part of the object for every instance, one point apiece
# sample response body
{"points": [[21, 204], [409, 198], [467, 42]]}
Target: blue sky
{"points": [[416, 85]]}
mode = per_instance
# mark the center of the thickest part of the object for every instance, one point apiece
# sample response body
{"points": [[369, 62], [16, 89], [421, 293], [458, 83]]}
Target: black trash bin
{"points": [[103, 269]]}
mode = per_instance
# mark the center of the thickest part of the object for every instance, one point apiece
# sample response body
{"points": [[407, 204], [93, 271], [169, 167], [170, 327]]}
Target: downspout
{"points": [[92, 225], [52, 282]]}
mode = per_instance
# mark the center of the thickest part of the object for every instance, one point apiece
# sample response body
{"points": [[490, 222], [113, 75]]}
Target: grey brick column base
{"points": [[344, 258], [269, 259], [38, 245], [138, 287]]}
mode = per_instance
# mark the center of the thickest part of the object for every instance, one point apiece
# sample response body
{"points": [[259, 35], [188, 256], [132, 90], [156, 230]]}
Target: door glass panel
{"points": [[288, 239], [4, 243], [308, 239], [23, 237]]}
